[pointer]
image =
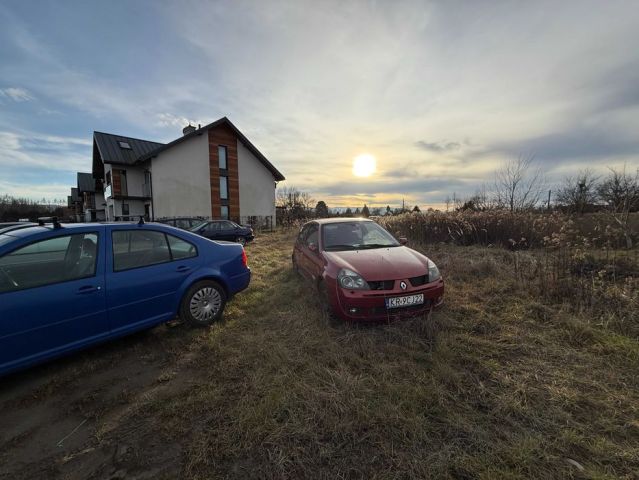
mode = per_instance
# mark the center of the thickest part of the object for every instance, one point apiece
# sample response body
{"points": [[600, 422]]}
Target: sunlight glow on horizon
{"points": [[364, 165]]}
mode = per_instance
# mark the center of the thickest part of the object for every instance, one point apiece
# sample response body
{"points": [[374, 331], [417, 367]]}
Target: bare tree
{"points": [[287, 197], [483, 200], [306, 201], [576, 193], [518, 184], [295, 203], [620, 192]]}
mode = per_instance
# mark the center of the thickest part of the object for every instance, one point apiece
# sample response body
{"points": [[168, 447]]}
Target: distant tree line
{"points": [[519, 185], [294, 205], [13, 209]]}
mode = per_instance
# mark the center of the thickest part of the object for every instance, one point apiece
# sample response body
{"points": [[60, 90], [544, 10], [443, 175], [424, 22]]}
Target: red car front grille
{"points": [[418, 281], [381, 285], [390, 284]]}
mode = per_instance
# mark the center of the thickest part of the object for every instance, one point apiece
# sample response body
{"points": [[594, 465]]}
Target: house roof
{"points": [[111, 151], [222, 121], [74, 194], [86, 183]]}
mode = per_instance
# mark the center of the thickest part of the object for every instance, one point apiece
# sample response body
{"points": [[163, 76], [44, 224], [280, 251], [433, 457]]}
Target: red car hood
{"points": [[376, 264]]}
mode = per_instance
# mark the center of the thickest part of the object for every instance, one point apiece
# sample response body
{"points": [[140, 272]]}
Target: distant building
{"points": [[213, 171], [92, 198], [86, 202]]}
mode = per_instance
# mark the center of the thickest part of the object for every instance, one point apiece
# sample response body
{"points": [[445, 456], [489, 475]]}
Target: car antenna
{"points": [[141, 221]]}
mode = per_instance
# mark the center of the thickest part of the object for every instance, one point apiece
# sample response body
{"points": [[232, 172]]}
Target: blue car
{"points": [[65, 287], [224, 230]]}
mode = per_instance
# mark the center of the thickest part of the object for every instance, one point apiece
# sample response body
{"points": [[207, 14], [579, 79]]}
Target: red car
{"points": [[363, 272]]}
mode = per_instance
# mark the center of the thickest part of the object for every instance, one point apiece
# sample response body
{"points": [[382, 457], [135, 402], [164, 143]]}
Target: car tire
{"points": [[241, 240], [203, 304], [296, 268], [325, 306]]}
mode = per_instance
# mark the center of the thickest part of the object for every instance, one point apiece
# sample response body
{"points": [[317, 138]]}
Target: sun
{"points": [[364, 165]]}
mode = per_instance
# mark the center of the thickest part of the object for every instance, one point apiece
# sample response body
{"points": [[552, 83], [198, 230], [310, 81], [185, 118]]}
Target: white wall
{"points": [[134, 180], [181, 179], [257, 185]]}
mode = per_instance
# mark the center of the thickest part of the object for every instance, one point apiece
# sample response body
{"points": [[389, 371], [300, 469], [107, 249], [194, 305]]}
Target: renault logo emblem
{"points": [[402, 285]]}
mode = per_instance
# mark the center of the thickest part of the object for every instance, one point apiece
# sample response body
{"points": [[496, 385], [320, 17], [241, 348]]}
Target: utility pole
{"points": [[549, 199]]}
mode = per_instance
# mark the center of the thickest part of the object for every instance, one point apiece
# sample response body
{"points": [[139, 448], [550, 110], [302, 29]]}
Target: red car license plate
{"points": [[406, 301]]}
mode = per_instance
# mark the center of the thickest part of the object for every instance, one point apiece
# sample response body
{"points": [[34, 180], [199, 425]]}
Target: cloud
{"points": [[438, 146], [50, 152], [576, 142], [16, 94], [171, 120], [313, 91]]}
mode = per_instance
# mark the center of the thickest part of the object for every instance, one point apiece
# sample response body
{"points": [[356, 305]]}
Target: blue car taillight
{"points": [[244, 258]]}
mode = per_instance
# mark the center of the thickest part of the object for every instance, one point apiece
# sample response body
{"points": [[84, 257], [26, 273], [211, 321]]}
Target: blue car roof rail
{"points": [[42, 221]]}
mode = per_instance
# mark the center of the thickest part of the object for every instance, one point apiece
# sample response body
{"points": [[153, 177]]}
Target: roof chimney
{"points": [[188, 129]]}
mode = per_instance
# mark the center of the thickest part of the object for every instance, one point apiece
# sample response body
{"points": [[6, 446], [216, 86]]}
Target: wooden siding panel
{"points": [[223, 135], [117, 184]]}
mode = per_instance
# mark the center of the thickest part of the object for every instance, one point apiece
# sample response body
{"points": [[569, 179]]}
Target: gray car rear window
{"points": [[4, 239]]}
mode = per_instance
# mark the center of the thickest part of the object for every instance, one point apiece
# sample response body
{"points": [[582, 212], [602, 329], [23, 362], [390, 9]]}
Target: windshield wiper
{"points": [[374, 245], [340, 247]]}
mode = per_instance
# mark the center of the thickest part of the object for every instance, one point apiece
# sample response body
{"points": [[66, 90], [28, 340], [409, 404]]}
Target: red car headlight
{"points": [[433, 272], [351, 280]]}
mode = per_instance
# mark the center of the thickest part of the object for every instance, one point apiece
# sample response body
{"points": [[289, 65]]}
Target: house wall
{"points": [[181, 180], [136, 207], [135, 188], [256, 185]]}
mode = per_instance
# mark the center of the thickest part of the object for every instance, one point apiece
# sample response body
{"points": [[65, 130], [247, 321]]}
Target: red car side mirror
{"points": [[403, 240]]}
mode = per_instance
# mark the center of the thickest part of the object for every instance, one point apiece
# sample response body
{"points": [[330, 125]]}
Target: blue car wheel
{"points": [[203, 304]]}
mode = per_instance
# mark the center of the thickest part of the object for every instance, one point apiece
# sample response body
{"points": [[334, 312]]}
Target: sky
{"points": [[440, 93]]}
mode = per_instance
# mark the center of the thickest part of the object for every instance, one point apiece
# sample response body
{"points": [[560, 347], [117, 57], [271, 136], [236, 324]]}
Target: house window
{"points": [[125, 209], [221, 153], [108, 178], [125, 145], [224, 188], [224, 211]]}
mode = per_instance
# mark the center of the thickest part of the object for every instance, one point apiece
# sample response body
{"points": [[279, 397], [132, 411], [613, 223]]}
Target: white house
{"points": [[212, 171]]}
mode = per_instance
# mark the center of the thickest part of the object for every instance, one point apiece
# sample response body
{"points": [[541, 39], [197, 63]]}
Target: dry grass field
{"points": [[511, 379]]}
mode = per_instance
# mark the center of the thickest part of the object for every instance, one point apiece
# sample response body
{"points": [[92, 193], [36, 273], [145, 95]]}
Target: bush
{"points": [[514, 230]]}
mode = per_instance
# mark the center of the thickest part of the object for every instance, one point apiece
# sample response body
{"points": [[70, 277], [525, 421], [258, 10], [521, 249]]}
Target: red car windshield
{"points": [[355, 236]]}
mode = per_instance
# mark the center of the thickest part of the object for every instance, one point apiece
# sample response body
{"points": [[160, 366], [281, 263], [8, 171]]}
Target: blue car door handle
{"points": [[182, 268], [88, 289]]}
